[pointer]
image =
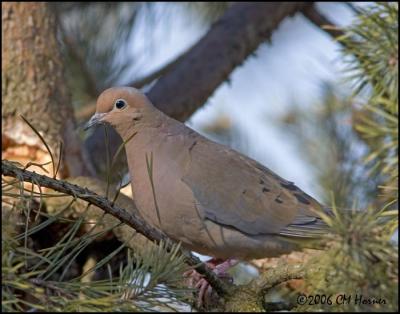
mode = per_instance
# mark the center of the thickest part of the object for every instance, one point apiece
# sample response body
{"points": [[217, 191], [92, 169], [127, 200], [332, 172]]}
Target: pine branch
{"points": [[279, 275], [131, 219], [275, 277]]}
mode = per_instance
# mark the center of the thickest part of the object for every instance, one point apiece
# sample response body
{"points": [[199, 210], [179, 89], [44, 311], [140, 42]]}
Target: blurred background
{"points": [[310, 91]]}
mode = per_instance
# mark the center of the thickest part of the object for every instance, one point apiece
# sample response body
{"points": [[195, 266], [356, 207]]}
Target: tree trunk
{"points": [[33, 85]]}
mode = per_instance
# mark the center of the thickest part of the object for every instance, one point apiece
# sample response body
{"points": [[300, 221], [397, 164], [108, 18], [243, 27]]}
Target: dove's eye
{"points": [[120, 104]]}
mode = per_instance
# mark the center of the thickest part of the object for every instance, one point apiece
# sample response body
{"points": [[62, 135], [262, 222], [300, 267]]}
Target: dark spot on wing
{"points": [[261, 181], [290, 186], [265, 190], [191, 146], [244, 192], [301, 199], [278, 200]]}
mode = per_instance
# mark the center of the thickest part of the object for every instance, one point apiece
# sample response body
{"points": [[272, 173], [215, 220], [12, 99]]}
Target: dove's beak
{"points": [[95, 119]]}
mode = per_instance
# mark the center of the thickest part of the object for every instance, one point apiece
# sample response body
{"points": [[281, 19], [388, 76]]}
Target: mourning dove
{"points": [[213, 199]]}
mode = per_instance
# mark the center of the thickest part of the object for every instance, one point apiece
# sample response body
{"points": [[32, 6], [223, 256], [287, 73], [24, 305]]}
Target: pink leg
{"points": [[220, 268], [204, 291]]}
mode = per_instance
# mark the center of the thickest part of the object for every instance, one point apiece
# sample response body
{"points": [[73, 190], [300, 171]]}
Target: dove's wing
{"points": [[236, 191]]}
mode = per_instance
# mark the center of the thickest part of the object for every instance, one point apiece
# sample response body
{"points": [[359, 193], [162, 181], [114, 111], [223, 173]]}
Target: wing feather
{"points": [[234, 190]]}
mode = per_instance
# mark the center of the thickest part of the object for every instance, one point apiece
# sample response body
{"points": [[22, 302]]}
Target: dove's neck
{"points": [[156, 136], [148, 130], [142, 122]]}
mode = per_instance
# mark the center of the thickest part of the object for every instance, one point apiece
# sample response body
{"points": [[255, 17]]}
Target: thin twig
{"points": [[51, 285], [320, 20], [149, 162], [130, 218]]}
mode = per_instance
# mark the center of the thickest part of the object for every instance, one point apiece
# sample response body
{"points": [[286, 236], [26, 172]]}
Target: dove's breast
{"points": [[157, 164]]}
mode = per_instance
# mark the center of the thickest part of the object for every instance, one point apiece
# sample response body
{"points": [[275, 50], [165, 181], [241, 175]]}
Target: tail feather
{"points": [[307, 226]]}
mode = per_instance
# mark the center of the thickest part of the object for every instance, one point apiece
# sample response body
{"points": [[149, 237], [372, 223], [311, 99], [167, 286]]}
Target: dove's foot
{"points": [[197, 281]]}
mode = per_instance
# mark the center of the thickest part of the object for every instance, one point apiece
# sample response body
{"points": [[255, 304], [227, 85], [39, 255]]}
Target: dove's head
{"points": [[122, 107]]}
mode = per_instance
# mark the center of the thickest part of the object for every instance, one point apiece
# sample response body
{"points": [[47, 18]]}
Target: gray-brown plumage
{"points": [[213, 199]]}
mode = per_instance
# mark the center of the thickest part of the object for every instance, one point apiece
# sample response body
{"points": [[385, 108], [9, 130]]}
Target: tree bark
{"points": [[33, 85]]}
